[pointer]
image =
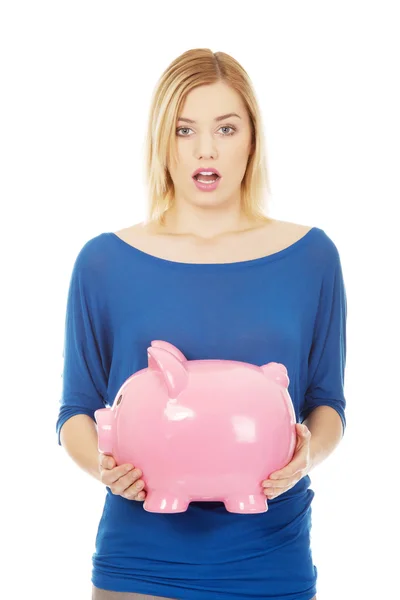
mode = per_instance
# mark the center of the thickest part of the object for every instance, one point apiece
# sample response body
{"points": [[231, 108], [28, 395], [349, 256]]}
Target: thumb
{"points": [[303, 430], [107, 461]]}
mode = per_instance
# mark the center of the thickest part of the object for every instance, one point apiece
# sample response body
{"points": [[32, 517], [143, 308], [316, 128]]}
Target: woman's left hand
{"points": [[281, 481]]}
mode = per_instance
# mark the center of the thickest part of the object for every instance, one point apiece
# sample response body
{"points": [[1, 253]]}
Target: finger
{"points": [[107, 462], [278, 485], [123, 484], [272, 492], [277, 488], [141, 496], [269, 494], [131, 479], [113, 475], [134, 489], [126, 481], [284, 474], [296, 466], [275, 491], [272, 496]]}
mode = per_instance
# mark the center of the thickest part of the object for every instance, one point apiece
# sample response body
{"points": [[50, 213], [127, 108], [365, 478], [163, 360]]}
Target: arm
{"points": [[323, 411], [78, 436], [326, 432], [85, 372]]}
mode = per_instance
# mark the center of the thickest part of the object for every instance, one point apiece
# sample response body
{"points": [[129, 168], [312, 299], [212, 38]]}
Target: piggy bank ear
{"points": [[172, 369], [277, 372], [170, 347]]}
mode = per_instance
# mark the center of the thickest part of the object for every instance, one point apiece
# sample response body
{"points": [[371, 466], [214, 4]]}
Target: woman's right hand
{"points": [[122, 480]]}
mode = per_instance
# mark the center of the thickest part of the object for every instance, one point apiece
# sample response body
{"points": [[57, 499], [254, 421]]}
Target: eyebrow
{"points": [[221, 118]]}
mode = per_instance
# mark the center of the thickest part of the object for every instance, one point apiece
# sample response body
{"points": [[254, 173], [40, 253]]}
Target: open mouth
{"points": [[211, 178]]}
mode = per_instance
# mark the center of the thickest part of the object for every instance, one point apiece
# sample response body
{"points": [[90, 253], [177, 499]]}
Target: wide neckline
{"points": [[212, 266]]}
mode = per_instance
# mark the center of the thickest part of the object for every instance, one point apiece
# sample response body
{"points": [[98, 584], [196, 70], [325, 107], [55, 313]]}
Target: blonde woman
{"points": [[211, 273]]}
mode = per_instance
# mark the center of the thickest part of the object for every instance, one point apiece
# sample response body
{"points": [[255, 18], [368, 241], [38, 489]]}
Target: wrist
{"points": [[315, 454]]}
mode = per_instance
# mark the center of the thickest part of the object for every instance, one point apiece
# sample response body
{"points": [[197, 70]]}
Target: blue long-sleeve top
{"points": [[287, 307]]}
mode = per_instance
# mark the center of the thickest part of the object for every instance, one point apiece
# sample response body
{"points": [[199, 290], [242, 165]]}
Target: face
{"points": [[210, 143]]}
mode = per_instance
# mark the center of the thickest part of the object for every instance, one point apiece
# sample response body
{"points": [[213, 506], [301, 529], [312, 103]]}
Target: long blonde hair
{"points": [[191, 69]]}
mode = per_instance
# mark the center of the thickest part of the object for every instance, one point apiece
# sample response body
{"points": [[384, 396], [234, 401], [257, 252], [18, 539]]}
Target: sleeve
{"points": [[327, 358], [84, 379]]}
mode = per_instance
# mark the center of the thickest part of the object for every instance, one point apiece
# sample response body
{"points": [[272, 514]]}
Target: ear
{"points": [[171, 368], [170, 347], [277, 372]]}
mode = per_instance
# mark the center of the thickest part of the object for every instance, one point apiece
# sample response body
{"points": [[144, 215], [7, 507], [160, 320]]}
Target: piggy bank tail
{"points": [[104, 418]]}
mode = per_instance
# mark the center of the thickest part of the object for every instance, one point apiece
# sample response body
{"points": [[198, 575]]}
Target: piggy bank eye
{"points": [[119, 400]]}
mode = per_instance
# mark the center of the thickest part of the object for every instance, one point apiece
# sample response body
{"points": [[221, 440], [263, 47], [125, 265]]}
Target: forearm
{"points": [[79, 438], [326, 430]]}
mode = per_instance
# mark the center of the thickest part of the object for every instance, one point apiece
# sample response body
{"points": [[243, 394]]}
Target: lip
{"points": [[209, 169], [207, 187]]}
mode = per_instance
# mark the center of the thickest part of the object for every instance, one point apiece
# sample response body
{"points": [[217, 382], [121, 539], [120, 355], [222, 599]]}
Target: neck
{"points": [[207, 222]]}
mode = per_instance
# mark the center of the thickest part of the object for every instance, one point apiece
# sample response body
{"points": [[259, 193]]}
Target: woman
{"points": [[209, 272]]}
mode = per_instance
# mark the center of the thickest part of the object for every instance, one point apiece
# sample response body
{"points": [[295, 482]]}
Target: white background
{"points": [[76, 80]]}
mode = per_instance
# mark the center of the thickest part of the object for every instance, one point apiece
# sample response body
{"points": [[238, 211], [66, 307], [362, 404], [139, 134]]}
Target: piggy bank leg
{"points": [[246, 503], [165, 502]]}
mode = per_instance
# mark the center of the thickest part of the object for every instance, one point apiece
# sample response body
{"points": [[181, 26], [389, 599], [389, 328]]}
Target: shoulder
{"points": [[92, 254], [321, 248], [295, 231], [326, 246], [325, 253]]}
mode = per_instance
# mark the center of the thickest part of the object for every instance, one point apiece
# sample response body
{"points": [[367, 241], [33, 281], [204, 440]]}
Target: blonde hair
{"points": [[191, 69]]}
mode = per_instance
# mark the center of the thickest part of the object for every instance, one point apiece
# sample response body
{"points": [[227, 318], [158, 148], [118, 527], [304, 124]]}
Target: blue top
{"points": [[288, 307]]}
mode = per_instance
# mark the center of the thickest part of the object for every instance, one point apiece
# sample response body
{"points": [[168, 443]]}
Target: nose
{"points": [[205, 155], [205, 148]]}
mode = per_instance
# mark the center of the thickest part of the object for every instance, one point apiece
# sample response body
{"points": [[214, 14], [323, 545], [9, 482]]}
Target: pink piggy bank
{"points": [[209, 430]]}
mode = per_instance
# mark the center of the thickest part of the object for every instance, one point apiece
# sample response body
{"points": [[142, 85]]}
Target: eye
{"points": [[223, 127], [229, 127], [182, 129]]}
